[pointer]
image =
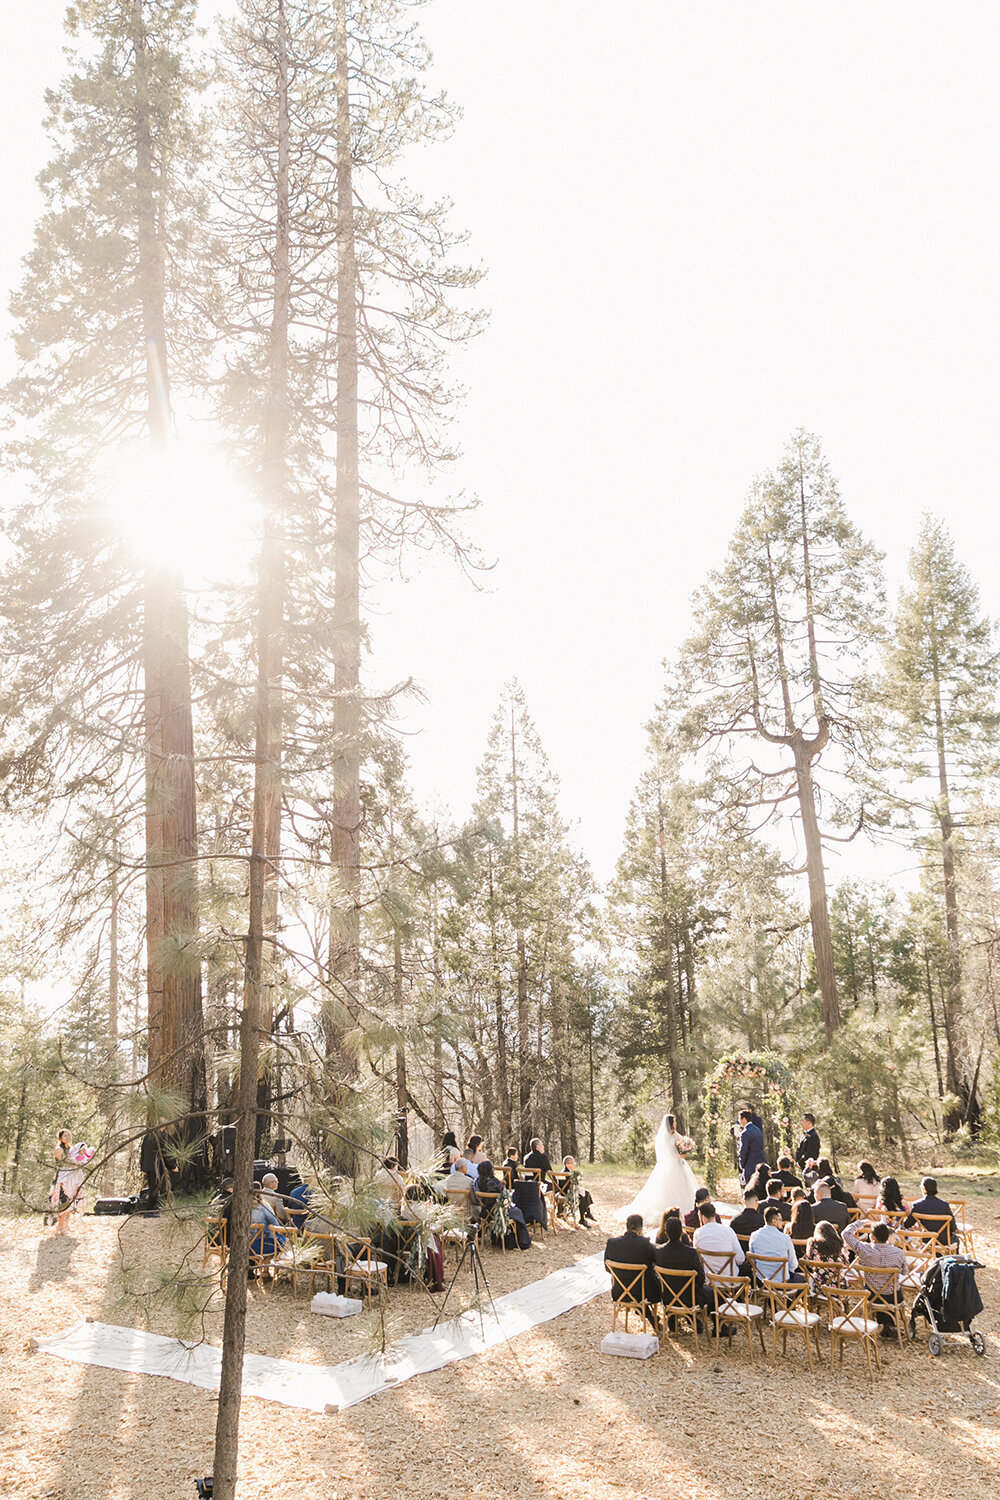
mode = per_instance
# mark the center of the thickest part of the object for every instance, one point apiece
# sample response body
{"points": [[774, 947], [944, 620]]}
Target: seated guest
{"points": [[785, 1172], [758, 1183], [810, 1173], [530, 1199], [271, 1196], [776, 1199], [459, 1182], [826, 1245], [833, 1182], [865, 1187], [749, 1218], [876, 1259], [584, 1200], [537, 1157], [674, 1253], [450, 1152], [800, 1226], [714, 1241], [890, 1199], [474, 1152], [390, 1180], [518, 1232], [692, 1219], [773, 1242], [661, 1233], [298, 1205], [930, 1205], [633, 1249], [264, 1226], [828, 1207], [509, 1168]]}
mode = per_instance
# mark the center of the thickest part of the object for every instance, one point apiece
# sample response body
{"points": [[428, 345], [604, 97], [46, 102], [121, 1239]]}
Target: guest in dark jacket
{"points": [[661, 1233], [828, 1207], [808, 1147], [749, 1218], [537, 1157], [936, 1208], [776, 1199], [786, 1174], [633, 1249], [488, 1182], [675, 1254]]}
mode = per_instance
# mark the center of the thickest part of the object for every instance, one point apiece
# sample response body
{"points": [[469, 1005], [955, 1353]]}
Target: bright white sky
{"points": [[705, 225]]}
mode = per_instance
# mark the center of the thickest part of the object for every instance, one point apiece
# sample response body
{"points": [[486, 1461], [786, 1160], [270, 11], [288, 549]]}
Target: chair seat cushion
{"points": [[796, 1317], [740, 1310], [368, 1268], [856, 1325]]}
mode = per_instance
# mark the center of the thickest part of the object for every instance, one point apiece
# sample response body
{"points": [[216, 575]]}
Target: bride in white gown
{"points": [[671, 1183]]}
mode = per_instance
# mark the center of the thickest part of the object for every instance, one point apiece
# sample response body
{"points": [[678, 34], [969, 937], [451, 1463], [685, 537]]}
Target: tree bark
{"points": [[346, 830], [174, 995], [819, 910]]}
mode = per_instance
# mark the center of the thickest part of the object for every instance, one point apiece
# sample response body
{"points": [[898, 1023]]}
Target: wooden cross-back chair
{"points": [[630, 1282], [214, 1246], [820, 1274], [678, 1298], [788, 1305], [362, 1267], [966, 1243], [881, 1283], [849, 1319], [918, 1245], [939, 1226], [315, 1257], [767, 1268], [488, 1213], [733, 1307], [718, 1262]]}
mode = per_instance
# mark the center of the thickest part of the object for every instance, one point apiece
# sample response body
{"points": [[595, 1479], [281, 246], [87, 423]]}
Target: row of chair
{"points": [[311, 1261], [790, 1307]]}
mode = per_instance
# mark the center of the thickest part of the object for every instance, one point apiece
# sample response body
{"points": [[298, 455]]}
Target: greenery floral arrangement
{"points": [[756, 1074]]}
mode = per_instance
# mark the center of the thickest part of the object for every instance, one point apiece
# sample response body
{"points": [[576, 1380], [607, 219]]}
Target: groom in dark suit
{"points": [[751, 1147], [633, 1249]]}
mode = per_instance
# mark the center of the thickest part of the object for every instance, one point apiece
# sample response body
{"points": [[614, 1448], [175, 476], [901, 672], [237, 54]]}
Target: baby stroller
{"points": [[949, 1299]]}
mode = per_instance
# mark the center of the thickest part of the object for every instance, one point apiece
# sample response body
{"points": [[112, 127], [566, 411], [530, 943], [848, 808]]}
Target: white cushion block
{"points": [[332, 1306], [630, 1345]]}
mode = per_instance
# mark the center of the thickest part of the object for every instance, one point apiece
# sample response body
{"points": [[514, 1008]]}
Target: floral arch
{"points": [[761, 1078]]}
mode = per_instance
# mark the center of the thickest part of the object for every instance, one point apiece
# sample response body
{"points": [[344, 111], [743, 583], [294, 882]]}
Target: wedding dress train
{"points": [[671, 1183]]}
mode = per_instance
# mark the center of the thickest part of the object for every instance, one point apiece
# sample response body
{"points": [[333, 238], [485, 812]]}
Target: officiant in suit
{"points": [[633, 1249], [751, 1146]]}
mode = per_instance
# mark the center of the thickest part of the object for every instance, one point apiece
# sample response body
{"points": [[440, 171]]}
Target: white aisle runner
{"points": [[323, 1387]]}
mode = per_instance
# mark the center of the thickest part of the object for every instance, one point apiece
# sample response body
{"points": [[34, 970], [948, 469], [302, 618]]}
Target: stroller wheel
{"points": [[978, 1343], [934, 1343]]}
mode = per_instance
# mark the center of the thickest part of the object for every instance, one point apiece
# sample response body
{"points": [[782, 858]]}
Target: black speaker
{"points": [[282, 1145]]}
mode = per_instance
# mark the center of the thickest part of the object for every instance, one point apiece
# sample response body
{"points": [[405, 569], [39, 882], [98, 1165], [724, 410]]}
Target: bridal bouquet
{"points": [[684, 1144]]}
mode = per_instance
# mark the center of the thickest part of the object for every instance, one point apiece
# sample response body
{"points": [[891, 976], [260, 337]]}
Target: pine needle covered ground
{"points": [[558, 1422]]}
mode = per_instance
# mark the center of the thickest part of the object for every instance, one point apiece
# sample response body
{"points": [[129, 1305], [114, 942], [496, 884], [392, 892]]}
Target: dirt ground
{"points": [[552, 1420]]}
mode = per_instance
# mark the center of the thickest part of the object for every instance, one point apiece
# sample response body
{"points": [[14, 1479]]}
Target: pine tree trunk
{"points": [[402, 1103], [503, 1072], [275, 495], [592, 1132], [819, 911], [346, 832], [109, 1169], [953, 968], [934, 1025], [524, 1059], [176, 1058]]}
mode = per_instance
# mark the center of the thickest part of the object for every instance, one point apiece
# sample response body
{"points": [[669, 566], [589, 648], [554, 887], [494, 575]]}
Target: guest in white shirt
{"points": [[714, 1241], [774, 1243]]}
